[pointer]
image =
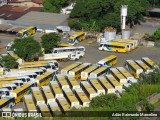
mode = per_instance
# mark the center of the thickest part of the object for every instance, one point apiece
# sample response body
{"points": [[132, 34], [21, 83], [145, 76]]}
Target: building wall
{"points": [[3, 2], [29, 4]]}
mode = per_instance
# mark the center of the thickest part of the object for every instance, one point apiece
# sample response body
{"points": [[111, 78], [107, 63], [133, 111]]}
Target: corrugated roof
{"points": [[20, 1]]}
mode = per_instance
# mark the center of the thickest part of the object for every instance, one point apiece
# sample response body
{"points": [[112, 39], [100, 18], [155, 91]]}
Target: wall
{"points": [[29, 4]]}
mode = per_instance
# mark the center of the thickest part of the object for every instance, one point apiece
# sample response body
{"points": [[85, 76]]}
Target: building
{"points": [[3, 2], [29, 3]]}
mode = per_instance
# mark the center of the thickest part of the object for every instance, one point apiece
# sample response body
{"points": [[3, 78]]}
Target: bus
{"points": [[66, 70], [76, 72], [54, 108], [120, 78], [37, 96], [106, 85], [12, 78], [55, 88], [108, 61], [98, 72], [77, 37], [19, 92], [70, 97], [44, 110], [1, 70], [7, 102], [73, 83], [4, 92], [133, 68], [85, 74], [125, 73], [148, 62], [28, 31], [44, 79], [3, 83], [18, 82], [63, 104], [10, 86], [88, 89], [97, 86], [82, 97], [29, 103], [135, 42], [146, 69], [61, 79], [116, 47], [47, 94], [112, 80], [63, 45]]}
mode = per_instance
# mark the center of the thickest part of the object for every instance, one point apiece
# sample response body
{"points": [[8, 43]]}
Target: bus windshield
{"points": [[19, 35]]}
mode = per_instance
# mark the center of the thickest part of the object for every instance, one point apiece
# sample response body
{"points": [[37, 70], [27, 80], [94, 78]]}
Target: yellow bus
{"points": [[70, 97], [120, 78], [54, 108], [63, 45], [47, 94], [12, 78], [1, 71], [44, 79], [44, 110], [28, 31], [63, 104], [106, 85], [76, 72], [148, 62], [7, 102], [108, 61], [115, 46], [97, 86], [82, 97], [146, 69], [73, 83], [125, 73], [98, 72], [133, 68], [135, 42], [88, 89], [61, 79], [37, 96], [66, 70], [29, 103], [4, 82], [85, 74], [55, 88], [19, 92], [77, 37], [112, 80]]}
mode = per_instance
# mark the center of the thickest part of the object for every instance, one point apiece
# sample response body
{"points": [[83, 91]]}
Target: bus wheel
{"points": [[116, 50]]}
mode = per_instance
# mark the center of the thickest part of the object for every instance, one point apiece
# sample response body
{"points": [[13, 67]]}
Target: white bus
{"points": [[76, 72], [68, 94], [106, 85], [148, 62], [37, 96], [97, 86], [88, 89], [133, 68], [85, 74], [73, 83], [55, 88], [63, 104], [146, 69], [47, 94], [112, 80], [10, 87], [117, 75], [17, 82], [98, 72], [4, 92], [29, 103], [66, 70], [135, 42], [61, 79], [82, 97], [44, 110]]}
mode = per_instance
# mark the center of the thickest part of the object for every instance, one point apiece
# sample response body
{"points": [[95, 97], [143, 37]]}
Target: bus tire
{"points": [[117, 51]]}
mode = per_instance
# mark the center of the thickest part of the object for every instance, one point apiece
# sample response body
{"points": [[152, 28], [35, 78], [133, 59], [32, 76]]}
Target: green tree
{"points": [[49, 41], [27, 48], [75, 24], [8, 62]]}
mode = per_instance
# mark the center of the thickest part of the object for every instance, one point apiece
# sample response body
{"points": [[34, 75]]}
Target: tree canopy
{"points": [[8, 62], [104, 13], [27, 48], [49, 41]]}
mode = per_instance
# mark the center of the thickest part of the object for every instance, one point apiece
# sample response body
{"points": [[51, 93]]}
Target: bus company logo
{"points": [[6, 114]]}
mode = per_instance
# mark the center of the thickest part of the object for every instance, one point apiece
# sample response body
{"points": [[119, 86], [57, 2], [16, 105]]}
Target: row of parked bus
{"points": [[85, 70], [119, 45]]}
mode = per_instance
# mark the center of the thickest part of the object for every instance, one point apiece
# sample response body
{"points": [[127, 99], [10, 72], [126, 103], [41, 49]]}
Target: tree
{"points": [[8, 62], [27, 48], [49, 41]]}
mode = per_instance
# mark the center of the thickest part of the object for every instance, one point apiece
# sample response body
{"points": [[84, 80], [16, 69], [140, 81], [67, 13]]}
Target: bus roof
{"points": [[113, 80], [76, 34], [29, 102], [21, 88], [100, 69], [37, 94], [115, 43], [8, 78], [88, 87], [56, 88], [64, 103], [126, 39], [47, 91], [142, 65], [91, 68], [133, 64], [96, 84], [80, 67], [124, 72], [82, 95], [110, 57], [72, 66], [64, 44], [3, 100], [104, 81], [61, 79], [54, 106], [117, 73], [40, 77], [72, 80], [148, 60], [43, 107]]}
